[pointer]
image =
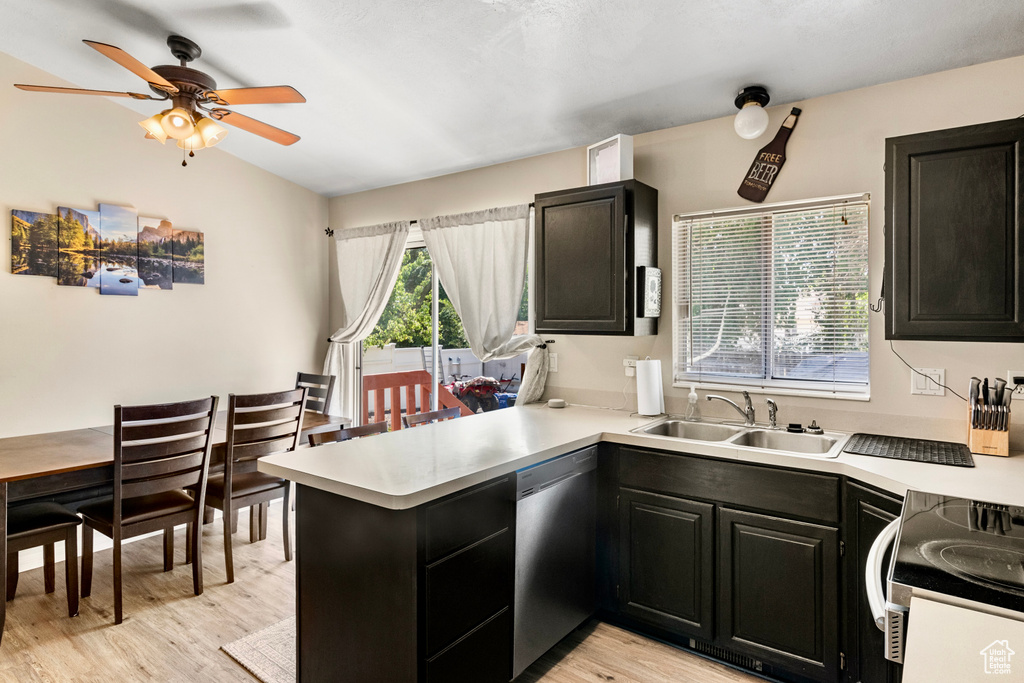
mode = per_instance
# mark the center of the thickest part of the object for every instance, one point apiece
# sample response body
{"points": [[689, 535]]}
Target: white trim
{"points": [[768, 390], [773, 208]]}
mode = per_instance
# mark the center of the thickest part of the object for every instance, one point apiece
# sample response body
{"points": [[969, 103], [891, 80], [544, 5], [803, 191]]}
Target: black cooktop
{"points": [[964, 548]]}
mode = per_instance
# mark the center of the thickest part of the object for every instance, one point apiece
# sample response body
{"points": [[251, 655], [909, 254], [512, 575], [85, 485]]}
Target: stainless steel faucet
{"points": [[748, 413], [773, 409]]}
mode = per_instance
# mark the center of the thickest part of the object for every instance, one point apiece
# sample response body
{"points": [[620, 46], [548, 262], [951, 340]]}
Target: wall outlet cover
{"points": [[1011, 376], [552, 362]]}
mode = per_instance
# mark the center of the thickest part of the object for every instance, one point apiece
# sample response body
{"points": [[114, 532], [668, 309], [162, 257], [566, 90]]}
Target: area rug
{"points": [[268, 654]]}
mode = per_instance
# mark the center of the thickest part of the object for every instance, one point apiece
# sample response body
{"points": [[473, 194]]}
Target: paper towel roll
{"points": [[650, 396]]}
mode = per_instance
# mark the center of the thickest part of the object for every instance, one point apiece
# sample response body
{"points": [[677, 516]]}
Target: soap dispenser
{"points": [[693, 407]]}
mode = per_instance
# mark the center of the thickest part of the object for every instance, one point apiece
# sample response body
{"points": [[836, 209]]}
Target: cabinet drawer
{"points": [[483, 656], [466, 589], [799, 494], [467, 518]]}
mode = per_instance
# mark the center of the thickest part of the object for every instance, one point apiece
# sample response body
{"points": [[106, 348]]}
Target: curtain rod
{"points": [[330, 233]]}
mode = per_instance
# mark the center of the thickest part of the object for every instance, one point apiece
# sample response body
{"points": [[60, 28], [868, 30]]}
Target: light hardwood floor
{"points": [[171, 635]]}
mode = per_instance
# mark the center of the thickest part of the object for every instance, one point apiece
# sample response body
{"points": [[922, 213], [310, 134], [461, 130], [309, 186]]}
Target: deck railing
{"points": [[411, 384]]}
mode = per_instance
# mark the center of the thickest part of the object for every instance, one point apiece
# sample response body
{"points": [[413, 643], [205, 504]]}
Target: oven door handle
{"points": [[873, 572]]}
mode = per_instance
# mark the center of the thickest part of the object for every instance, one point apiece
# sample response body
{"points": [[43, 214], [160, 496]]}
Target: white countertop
{"points": [[407, 468]]}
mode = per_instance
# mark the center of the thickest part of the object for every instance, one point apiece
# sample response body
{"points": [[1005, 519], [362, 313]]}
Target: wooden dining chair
{"points": [[428, 418], [161, 462], [258, 425], [321, 390], [43, 524], [348, 433]]}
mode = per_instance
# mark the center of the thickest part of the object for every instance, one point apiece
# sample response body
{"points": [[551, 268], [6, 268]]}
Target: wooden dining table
{"points": [[79, 463]]}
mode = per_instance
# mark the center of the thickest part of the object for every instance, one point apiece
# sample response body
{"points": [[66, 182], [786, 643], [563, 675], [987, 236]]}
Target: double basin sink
{"points": [[791, 443]]}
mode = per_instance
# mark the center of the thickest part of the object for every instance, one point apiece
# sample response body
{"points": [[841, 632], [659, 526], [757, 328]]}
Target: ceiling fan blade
{"points": [[265, 130], [275, 94], [132, 64], [82, 91]]}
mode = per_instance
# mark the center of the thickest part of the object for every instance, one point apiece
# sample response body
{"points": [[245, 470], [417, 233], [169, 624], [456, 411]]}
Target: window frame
{"points": [[765, 384]]}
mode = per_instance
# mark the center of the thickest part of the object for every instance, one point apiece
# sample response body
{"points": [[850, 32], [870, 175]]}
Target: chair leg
{"points": [[86, 560], [168, 549], [264, 515], [12, 575], [287, 532], [254, 531], [234, 521], [71, 570], [189, 530], [118, 600], [197, 559], [229, 565], [49, 568]]}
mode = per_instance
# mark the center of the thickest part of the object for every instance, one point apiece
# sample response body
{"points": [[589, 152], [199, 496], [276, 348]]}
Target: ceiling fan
{"points": [[196, 102]]}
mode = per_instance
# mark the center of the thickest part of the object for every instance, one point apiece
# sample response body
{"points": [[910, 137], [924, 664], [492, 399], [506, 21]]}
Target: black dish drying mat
{"points": [[918, 450]]}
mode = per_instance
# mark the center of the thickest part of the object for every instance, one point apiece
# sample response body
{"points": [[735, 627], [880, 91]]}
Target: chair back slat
{"points": [[179, 459], [264, 432], [259, 449], [249, 417], [171, 482], [272, 399], [161, 449], [160, 467], [159, 430], [321, 390], [348, 433], [432, 416], [164, 411]]}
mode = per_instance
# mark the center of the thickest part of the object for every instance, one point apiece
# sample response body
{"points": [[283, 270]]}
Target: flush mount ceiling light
{"points": [[192, 94], [752, 120]]}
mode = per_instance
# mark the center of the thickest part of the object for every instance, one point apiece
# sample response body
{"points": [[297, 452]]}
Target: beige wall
{"points": [[837, 148], [68, 354]]}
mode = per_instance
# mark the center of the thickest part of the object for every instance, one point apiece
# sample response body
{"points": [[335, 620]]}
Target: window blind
{"points": [[774, 296]]}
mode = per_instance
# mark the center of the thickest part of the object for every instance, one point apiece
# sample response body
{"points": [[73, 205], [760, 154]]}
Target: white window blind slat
{"points": [[775, 297]]}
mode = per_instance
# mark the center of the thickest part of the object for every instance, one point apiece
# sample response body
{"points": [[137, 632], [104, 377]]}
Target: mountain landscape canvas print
{"points": [[189, 257], [119, 250], [155, 253], [78, 239], [33, 243]]}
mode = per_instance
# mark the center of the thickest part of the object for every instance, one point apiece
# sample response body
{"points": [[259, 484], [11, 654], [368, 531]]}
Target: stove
{"points": [[965, 550]]}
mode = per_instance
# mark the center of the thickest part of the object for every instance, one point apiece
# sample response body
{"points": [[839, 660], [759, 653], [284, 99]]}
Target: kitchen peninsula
{"points": [[405, 542]]}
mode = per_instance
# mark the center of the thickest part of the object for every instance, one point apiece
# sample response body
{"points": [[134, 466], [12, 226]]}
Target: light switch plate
{"points": [[927, 381]]}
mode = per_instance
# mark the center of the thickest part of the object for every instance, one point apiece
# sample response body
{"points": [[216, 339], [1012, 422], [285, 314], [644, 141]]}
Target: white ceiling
{"points": [[399, 90]]}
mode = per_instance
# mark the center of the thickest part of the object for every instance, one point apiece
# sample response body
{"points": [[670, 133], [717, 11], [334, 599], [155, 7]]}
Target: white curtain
{"points": [[481, 262], [368, 263]]}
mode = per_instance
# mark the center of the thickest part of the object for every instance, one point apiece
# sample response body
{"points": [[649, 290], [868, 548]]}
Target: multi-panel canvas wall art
{"points": [[33, 243], [119, 250], [189, 259], [78, 240], [155, 253], [112, 249]]}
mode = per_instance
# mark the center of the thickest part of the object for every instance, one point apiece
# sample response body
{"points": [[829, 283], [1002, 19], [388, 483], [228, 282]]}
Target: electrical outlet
{"points": [[629, 362], [1015, 377], [927, 381], [552, 362]]}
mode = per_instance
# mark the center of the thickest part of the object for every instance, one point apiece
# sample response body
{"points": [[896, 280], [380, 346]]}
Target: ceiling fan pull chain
{"points": [[183, 162]]}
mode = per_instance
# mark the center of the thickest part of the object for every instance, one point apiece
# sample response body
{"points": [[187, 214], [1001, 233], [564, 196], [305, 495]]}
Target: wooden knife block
{"points": [[988, 441]]}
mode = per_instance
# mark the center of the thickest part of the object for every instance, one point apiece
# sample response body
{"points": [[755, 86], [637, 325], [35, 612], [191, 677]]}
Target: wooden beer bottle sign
{"points": [[765, 169]]}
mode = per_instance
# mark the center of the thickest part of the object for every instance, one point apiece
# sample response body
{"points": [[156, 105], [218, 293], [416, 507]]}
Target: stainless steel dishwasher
{"points": [[556, 529]]}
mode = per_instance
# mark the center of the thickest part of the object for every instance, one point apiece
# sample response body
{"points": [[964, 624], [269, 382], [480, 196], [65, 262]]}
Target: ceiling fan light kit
{"points": [[192, 93], [752, 120]]}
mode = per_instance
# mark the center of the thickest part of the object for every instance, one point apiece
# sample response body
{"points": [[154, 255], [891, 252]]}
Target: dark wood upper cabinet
{"points": [[589, 243], [954, 226]]}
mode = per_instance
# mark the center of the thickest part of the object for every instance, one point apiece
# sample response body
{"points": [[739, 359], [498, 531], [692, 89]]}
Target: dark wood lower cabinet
{"points": [[867, 513], [778, 592], [667, 562]]}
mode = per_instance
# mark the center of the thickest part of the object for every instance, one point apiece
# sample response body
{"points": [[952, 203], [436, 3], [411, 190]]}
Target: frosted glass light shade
{"points": [[153, 128], [192, 142], [177, 123], [751, 121], [211, 131]]}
